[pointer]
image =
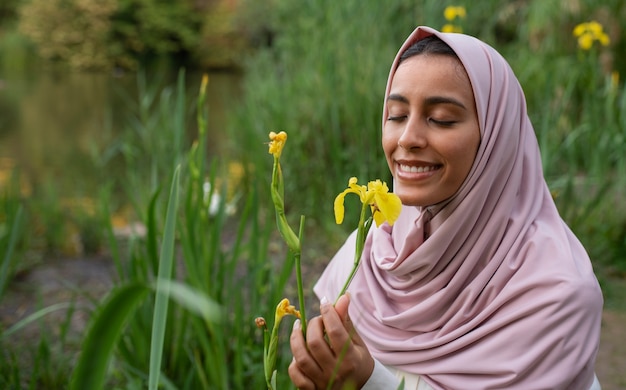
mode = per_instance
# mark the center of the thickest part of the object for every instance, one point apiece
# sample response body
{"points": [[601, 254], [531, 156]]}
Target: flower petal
{"points": [[284, 308], [277, 142], [580, 29], [388, 206], [339, 208]]}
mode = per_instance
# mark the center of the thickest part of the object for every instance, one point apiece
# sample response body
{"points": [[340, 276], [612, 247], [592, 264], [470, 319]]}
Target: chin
{"points": [[409, 197], [411, 200]]}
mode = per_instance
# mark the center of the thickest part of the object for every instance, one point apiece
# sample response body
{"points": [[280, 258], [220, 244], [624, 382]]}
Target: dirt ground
{"points": [[62, 280]]}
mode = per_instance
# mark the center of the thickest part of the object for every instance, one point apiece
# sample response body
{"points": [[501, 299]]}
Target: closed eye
{"points": [[443, 123], [397, 118]]}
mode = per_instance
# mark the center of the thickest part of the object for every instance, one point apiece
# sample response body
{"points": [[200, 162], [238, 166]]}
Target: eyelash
{"points": [[437, 122], [442, 123]]}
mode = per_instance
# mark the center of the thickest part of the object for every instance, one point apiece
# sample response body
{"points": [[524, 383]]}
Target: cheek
{"points": [[464, 152], [389, 146], [389, 143]]}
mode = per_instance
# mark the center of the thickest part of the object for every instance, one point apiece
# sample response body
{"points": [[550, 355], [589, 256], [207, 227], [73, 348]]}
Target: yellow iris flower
{"points": [[614, 80], [385, 205], [277, 142], [589, 32], [452, 12], [451, 28], [270, 342], [285, 308], [276, 145]]}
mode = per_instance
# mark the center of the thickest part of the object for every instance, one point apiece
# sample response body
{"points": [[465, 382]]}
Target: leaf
{"points": [[102, 335], [34, 317], [5, 267], [166, 262], [193, 300]]}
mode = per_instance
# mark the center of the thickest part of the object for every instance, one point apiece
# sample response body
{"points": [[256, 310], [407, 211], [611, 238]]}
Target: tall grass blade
{"points": [[34, 317], [192, 299], [166, 262], [152, 232], [105, 328], [5, 267]]}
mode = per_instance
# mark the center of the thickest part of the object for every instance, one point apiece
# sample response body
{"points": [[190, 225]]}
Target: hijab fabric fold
{"points": [[499, 294]]}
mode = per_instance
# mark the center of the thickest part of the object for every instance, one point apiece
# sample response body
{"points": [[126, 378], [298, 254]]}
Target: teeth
{"points": [[412, 169]]}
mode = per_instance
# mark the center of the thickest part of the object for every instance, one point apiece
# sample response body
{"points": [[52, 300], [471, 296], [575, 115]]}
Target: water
{"points": [[54, 125]]}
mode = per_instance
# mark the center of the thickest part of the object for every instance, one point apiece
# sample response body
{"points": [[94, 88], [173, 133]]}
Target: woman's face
{"points": [[431, 134]]}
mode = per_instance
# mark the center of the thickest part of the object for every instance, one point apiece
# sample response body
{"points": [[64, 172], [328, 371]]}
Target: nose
{"points": [[414, 135]]}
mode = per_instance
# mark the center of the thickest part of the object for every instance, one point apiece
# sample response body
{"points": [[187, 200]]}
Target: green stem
{"points": [[363, 228], [297, 256], [266, 363], [272, 351], [277, 192]]}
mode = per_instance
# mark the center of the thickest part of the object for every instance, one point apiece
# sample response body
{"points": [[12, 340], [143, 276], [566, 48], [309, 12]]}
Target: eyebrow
{"points": [[429, 101]]}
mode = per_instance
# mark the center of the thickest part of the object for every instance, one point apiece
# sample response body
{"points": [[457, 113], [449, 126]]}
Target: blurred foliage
{"points": [[142, 28], [8, 10], [103, 34], [74, 31], [221, 42]]}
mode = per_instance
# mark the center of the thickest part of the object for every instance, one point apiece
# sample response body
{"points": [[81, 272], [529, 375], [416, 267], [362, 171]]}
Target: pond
{"points": [[54, 124]]}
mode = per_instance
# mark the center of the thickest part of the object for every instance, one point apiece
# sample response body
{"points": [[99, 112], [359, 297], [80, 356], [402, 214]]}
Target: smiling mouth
{"points": [[420, 169]]}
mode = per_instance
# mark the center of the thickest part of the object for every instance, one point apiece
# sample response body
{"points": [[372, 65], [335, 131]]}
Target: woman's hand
{"points": [[332, 353]]}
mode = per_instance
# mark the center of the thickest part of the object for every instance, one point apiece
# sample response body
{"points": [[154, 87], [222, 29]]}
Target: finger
{"points": [[298, 378], [319, 348], [342, 306], [305, 362], [337, 334]]}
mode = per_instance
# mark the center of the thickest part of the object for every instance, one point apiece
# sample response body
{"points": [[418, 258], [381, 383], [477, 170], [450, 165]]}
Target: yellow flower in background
{"points": [[204, 83], [585, 41], [604, 39], [594, 28], [452, 12], [451, 28], [614, 79], [277, 142], [589, 32]]}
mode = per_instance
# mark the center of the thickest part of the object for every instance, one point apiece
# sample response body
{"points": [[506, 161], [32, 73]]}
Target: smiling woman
{"points": [[479, 284]]}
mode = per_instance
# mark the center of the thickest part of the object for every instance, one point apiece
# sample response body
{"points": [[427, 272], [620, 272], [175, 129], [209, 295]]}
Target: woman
{"points": [[479, 284]]}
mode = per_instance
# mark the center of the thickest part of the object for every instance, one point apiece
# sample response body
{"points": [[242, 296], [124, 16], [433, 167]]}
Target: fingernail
{"points": [[296, 324], [324, 301]]}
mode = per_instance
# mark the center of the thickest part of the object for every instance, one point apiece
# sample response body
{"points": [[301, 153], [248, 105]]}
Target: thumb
{"points": [[341, 307]]}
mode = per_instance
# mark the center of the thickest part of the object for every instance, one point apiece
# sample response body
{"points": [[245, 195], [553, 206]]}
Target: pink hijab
{"points": [[501, 294]]}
